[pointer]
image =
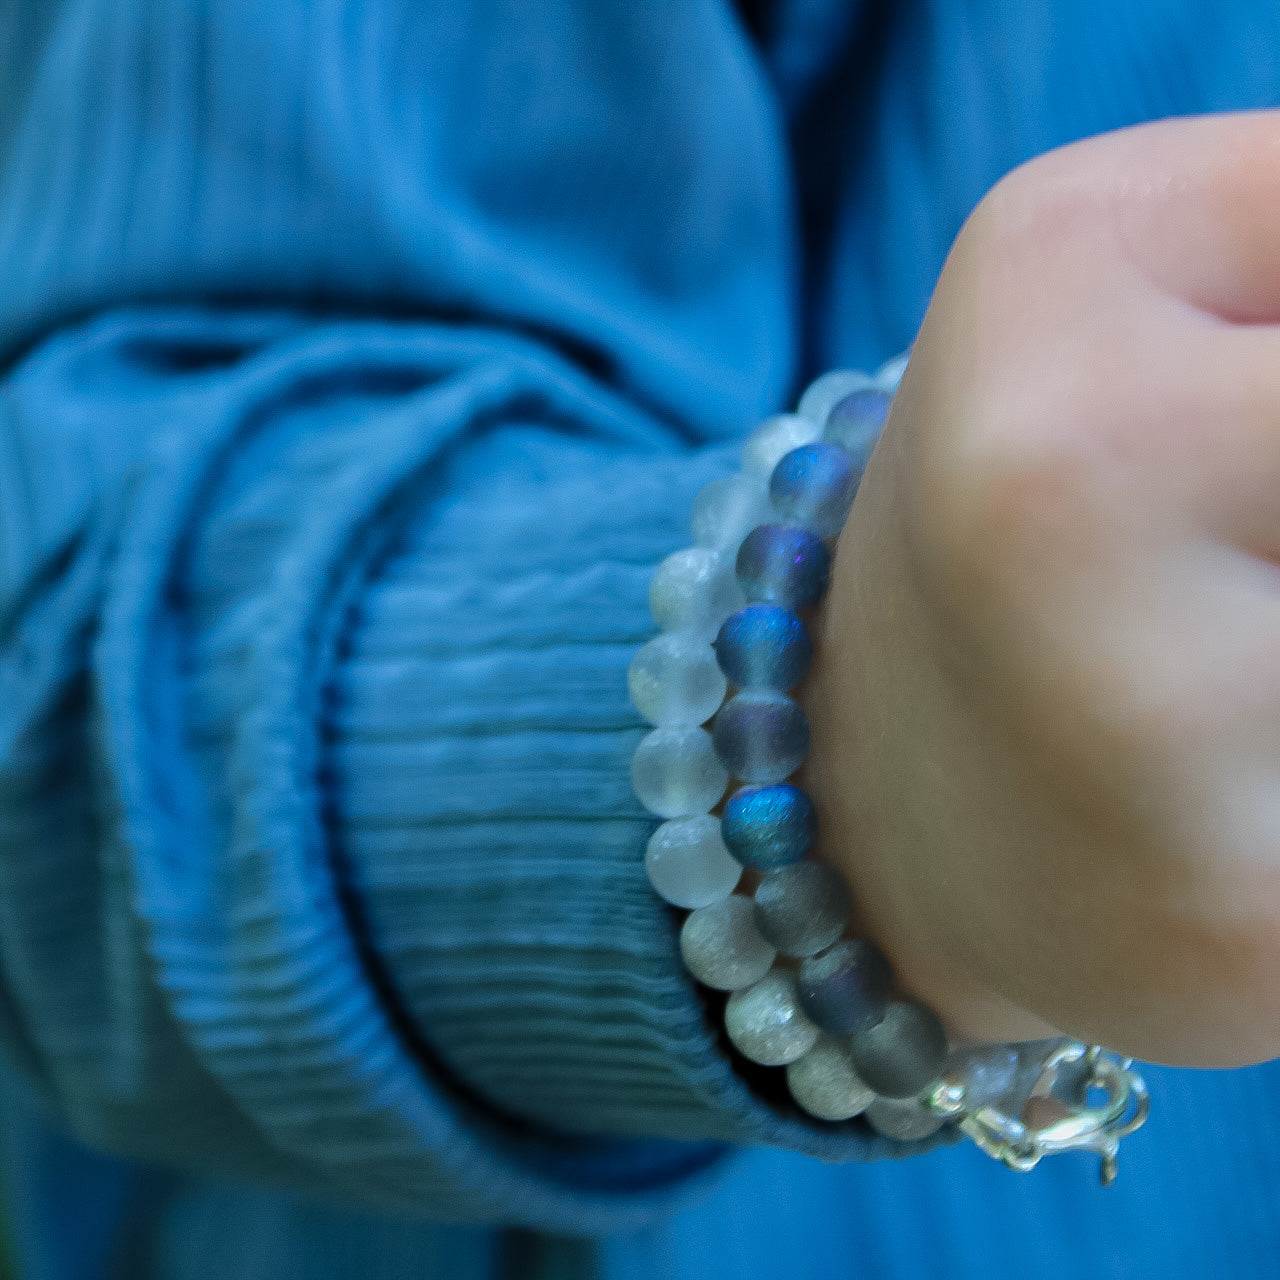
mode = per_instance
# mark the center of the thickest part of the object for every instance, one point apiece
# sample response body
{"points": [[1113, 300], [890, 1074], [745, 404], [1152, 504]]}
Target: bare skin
{"points": [[1046, 702]]}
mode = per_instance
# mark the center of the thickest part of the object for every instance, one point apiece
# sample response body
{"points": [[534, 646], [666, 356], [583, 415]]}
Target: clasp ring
{"points": [[1048, 1125]]}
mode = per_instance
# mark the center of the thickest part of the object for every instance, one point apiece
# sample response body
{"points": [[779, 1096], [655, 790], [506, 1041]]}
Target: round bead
{"points": [[676, 773], [802, 909], [726, 510], [722, 947], [694, 590], [903, 1052], [766, 1023], [889, 374], [675, 680], [814, 486], [764, 647], [761, 736], [904, 1120], [1005, 1075], [768, 827], [688, 865], [855, 424], [821, 394], [825, 1083], [783, 564], [774, 438], [988, 1073], [846, 988]]}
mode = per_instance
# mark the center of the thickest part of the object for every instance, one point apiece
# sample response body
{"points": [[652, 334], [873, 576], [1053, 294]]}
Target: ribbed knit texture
{"points": [[352, 646], [362, 361], [508, 897]]}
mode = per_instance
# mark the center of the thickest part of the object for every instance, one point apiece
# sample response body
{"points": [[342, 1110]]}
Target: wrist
{"points": [[832, 1011], [896, 813]]}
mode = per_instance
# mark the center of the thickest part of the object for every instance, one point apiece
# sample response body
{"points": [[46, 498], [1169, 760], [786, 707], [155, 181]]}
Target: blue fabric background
{"points": [[361, 358]]}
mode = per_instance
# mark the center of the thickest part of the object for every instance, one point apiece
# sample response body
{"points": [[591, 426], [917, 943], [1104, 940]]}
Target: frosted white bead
{"points": [[694, 590], [688, 864], [889, 374], [1005, 1075], [905, 1119], [765, 1022], [722, 947], [677, 774], [675, 680], [822, 394], [825, 1083], [988, 1073], [773, 439], [728, 509]]}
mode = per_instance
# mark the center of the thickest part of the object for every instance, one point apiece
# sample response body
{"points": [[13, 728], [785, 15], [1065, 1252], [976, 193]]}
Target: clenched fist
{"points": [[1046, 705]]}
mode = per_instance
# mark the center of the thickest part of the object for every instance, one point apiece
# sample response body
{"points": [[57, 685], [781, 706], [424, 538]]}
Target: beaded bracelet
{"points": [[730, 611]]}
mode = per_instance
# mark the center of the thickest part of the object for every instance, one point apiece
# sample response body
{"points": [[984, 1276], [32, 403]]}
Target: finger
{"points": [[1197, 207], [1223, 433]]}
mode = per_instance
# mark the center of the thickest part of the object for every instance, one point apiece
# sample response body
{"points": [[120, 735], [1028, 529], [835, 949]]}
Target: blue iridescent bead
{"points": [[768, 827], [783, 564], [761, 736], [855, 423], [824, 393], [814, 486], [764, 647]]}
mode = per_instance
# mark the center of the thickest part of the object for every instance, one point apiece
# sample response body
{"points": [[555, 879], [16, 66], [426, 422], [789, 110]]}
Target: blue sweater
{"points": [[360, 361]]}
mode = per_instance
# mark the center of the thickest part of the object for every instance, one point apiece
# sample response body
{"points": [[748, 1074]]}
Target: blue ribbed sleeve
{"points": [[357, 360], [318, 861]]}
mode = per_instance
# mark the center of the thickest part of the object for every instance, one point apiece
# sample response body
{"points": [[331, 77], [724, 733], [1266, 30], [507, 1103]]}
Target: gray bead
{"points": [[825, 1083], [722, 947], [903, 1052], [905, 1120], [765, 1022], [761, 736], [802, 908], [846, 988]]}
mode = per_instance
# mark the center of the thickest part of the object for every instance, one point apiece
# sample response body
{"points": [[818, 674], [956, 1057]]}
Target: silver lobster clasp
{"points": [[1056, 1114]]}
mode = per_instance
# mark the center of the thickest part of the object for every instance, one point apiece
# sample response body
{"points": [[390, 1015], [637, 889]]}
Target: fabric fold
{"points": [[354, 868]]}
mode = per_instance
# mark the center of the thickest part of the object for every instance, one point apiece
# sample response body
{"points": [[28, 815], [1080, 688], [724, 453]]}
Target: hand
{"points": [[1046, 702]]}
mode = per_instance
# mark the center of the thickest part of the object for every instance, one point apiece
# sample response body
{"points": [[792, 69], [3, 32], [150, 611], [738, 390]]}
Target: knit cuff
{"points": [[487, 821], [375, 912]]}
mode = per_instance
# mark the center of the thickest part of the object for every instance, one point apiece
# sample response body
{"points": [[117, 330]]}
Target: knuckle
{"points": [[1008, 492], [1044, 207], [1017, 447]]}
